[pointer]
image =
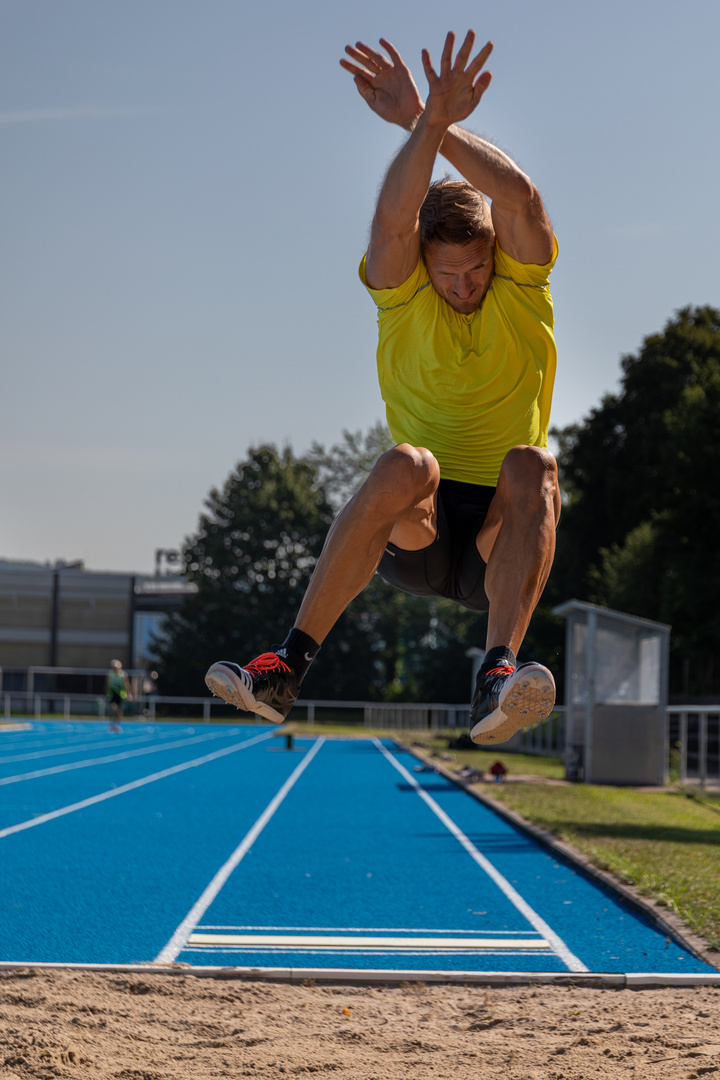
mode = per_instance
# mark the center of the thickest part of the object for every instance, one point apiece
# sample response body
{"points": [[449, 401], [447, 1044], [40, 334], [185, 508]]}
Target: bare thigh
{"points": [[491, 527], [416, 527], [524, 474], [420, 528]]}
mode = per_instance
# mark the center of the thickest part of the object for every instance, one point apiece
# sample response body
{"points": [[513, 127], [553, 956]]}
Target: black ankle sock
{"points": [[298, 650], [496, 658]]}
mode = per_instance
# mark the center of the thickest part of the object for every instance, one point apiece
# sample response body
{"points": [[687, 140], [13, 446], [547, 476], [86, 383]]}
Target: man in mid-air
{"points": [[466, 504]]}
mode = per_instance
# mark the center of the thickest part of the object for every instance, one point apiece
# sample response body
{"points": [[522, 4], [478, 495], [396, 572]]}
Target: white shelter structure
{"points": [[616, 694]]}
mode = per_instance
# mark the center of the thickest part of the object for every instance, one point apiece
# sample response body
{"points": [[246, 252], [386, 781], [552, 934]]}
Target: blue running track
{"points": [[215, 845]]}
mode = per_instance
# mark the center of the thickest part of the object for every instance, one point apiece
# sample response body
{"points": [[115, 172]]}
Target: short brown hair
{"points": [[454, 212]]}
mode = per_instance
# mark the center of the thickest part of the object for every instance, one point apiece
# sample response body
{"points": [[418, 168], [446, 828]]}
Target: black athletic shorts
{"points": [[451, 566]]}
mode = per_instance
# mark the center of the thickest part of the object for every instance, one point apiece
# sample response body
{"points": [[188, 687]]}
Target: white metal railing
{"points": [[38, 705], [371, 714], [694, 743], [693, 732], [547, 737], [416, 716]]}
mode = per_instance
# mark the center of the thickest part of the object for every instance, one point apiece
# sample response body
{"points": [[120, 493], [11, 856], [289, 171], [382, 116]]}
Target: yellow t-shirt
{"points": [[468, 387]]}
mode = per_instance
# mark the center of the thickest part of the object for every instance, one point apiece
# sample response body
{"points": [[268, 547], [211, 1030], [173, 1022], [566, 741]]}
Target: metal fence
{"points": [[416, 716], [369, 714], [546, 738], [694, 743], [693, 732], [39, 705]]}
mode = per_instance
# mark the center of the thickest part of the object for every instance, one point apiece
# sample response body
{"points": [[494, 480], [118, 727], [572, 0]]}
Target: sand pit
{"points": [[144, 1027]]}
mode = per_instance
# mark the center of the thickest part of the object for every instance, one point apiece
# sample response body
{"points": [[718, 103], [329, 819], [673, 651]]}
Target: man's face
{"points": [[461, 273]]}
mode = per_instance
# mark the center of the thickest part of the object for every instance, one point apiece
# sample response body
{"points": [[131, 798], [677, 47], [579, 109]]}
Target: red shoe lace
{"points": [[504, 669], [268, 661]]}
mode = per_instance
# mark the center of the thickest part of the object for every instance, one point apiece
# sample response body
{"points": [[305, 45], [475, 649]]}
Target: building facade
{"points": [[65, 616]]}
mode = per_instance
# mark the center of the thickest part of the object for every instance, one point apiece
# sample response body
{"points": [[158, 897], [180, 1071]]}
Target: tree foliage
{"points": [[251, 559], [343, 468], [389, 646], [642, 509]]}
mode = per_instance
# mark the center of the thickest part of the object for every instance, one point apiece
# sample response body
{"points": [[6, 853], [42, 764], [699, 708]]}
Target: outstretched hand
{"points": [[386, 85], [457, 90]]}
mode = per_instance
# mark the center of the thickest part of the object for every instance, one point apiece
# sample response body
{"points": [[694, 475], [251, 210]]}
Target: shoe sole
{"points": [[224, 683], [527, 696]]}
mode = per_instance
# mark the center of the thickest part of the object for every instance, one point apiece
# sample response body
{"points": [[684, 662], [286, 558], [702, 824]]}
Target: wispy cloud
{"points": [[82, 112]]}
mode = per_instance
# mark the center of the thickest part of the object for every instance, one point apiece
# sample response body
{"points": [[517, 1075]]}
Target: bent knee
{"points": [[404, 474], [530, 467]]}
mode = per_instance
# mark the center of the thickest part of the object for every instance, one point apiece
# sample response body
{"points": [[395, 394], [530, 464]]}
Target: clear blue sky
{"points": [[186, 192]]}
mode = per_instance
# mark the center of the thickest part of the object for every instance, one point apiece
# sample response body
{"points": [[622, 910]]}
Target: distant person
{"points": [[149, 689], [466, 504], [118, 692], [499, 771]]}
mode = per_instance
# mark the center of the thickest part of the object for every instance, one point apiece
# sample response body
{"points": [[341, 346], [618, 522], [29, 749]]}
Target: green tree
{"points": [[642, 499], [251, 559], [413, 648], [347, 464]]}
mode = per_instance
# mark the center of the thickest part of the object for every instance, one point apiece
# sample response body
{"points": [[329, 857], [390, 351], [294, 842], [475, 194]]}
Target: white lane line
{"points": [[50, 733], [339, 941], [378, 930], [179, 939], [556, 943], [88, 763], [69, 749], [35, 737], [203, 950], [72, 807]]}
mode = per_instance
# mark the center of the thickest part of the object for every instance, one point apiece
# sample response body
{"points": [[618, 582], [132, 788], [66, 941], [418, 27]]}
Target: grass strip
{"points": [[667, 844]]}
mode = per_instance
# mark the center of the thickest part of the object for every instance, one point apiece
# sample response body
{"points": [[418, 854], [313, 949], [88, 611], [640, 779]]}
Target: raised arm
{"points": [[454, 93], [395, 234], [521, 223]]}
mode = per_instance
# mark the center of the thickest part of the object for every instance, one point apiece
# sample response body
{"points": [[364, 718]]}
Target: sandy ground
{"points": [[164, 1027]]}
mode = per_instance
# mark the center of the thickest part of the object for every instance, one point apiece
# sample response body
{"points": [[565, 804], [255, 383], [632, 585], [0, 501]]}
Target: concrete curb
{"points": [[664, 919], [608, 980]]}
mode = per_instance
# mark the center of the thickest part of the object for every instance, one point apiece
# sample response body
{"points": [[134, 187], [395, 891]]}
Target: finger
{"points": [[481, 86], [446, 61], [480, 60], [373, 55], [464, 51], [392, 52], [359, 57], [429, 69], [356, 71]]}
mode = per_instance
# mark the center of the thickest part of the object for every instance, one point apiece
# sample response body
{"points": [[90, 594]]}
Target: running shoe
{"points": [[267, 685], [507, 699]]}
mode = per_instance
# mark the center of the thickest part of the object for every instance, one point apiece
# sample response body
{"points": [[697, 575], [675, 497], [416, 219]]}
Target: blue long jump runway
{"points": [[216, 846]]}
